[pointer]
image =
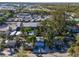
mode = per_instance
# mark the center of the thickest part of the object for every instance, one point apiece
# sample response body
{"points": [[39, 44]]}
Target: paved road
{"points": [[56, 55], [30, 54], [51, 55]]}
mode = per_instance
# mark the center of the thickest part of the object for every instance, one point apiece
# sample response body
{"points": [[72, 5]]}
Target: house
{"points": [[31, 33], [4, 29], [31, 24], [16, 32], [10, 43], [39, 38]]}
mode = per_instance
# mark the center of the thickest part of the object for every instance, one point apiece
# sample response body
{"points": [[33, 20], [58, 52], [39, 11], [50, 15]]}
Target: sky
{"points": [[39, 0]]}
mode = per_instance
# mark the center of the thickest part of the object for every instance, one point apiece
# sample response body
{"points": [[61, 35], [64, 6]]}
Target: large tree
{"points": [[57, 25]]}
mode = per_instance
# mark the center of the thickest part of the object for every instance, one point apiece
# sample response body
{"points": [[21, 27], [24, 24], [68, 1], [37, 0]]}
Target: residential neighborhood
{"points": [[39, 29]]}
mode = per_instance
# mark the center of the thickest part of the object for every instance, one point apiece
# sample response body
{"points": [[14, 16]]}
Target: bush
{"points": [[74, 51], [21, 54], [2, 46], [71, 51], [31, 38]]}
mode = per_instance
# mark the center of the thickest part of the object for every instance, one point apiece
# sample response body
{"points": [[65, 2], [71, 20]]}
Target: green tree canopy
{"points": [[57, 25], [2, 20]]}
